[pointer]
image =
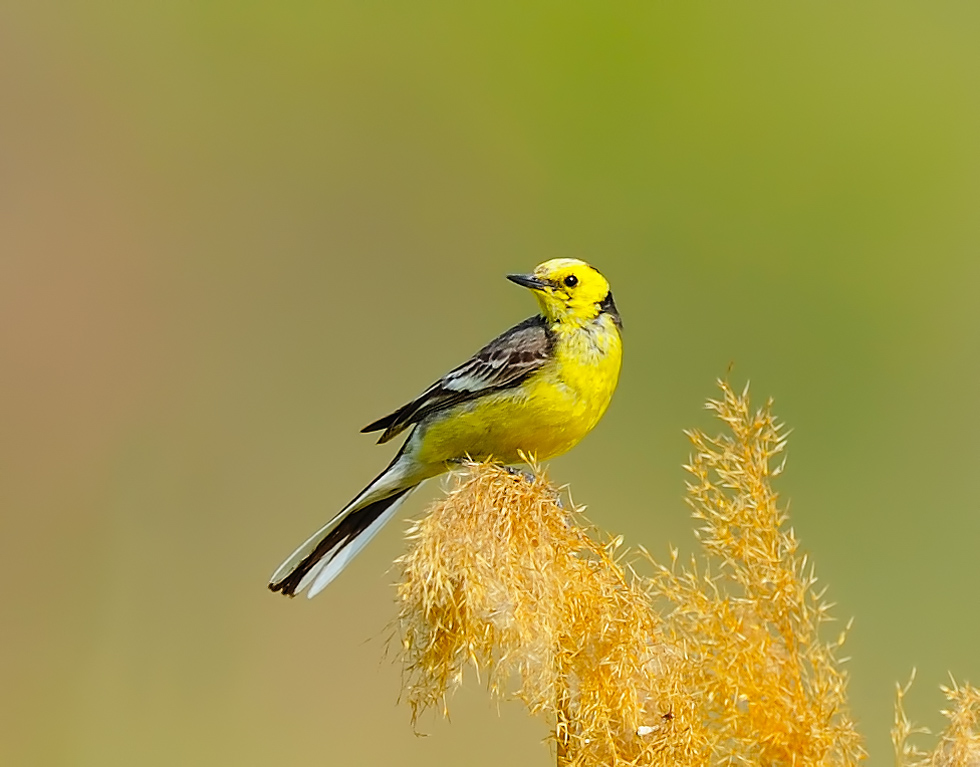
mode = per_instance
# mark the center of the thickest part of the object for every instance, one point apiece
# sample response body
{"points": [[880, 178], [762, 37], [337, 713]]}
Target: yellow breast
{"points": [[545, 416]]}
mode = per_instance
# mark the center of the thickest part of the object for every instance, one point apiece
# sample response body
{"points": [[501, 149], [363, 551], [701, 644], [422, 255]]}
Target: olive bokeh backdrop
{"points": [[231, 234]]}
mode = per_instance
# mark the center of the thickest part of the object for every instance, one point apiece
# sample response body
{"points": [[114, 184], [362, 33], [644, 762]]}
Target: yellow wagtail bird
{"points": [[535, 390]]}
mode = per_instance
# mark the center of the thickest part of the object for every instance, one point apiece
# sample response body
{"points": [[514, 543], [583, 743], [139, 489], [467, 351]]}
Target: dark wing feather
{"points": [[503, 363]]}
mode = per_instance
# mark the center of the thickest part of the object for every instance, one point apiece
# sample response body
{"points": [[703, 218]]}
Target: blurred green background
{"points": [[231, 234]]}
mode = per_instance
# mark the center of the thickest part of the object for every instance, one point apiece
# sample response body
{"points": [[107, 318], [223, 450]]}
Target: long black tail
{"points": [[333, 547]]}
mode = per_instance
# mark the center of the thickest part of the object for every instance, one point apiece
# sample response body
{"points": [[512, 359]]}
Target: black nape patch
{"points": [[608, 306]]}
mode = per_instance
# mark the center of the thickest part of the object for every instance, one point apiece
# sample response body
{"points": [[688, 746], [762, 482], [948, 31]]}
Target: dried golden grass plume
{"points": [[501, 578], [718, 661], [959, 742]]}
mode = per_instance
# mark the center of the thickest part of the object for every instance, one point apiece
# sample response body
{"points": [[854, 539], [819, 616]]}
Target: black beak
{"points": [[528, 281]]}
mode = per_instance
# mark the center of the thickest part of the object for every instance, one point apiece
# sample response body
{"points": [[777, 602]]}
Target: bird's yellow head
{"points": [[569, 290]]}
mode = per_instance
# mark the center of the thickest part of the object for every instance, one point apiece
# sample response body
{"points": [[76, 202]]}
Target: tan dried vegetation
{"points": [[719, 661], [958, 745]]}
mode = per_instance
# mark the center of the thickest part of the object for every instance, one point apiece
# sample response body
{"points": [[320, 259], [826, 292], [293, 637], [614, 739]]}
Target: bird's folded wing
{"points": [[503, 363]]}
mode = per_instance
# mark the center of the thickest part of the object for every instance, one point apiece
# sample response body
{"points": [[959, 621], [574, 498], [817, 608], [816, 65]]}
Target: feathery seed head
{"points": [[958, 744], [568, 290], [719, 662]]}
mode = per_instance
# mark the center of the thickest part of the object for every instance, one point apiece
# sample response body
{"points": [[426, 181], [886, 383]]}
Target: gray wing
{"points": [[503, 363]]}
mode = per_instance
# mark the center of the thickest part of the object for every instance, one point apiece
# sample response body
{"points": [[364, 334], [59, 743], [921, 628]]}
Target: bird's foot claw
{"points": [[527, 475], [530, 477]]}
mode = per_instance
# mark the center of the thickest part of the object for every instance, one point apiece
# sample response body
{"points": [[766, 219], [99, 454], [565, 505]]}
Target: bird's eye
{"points": [[571, 281]]}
